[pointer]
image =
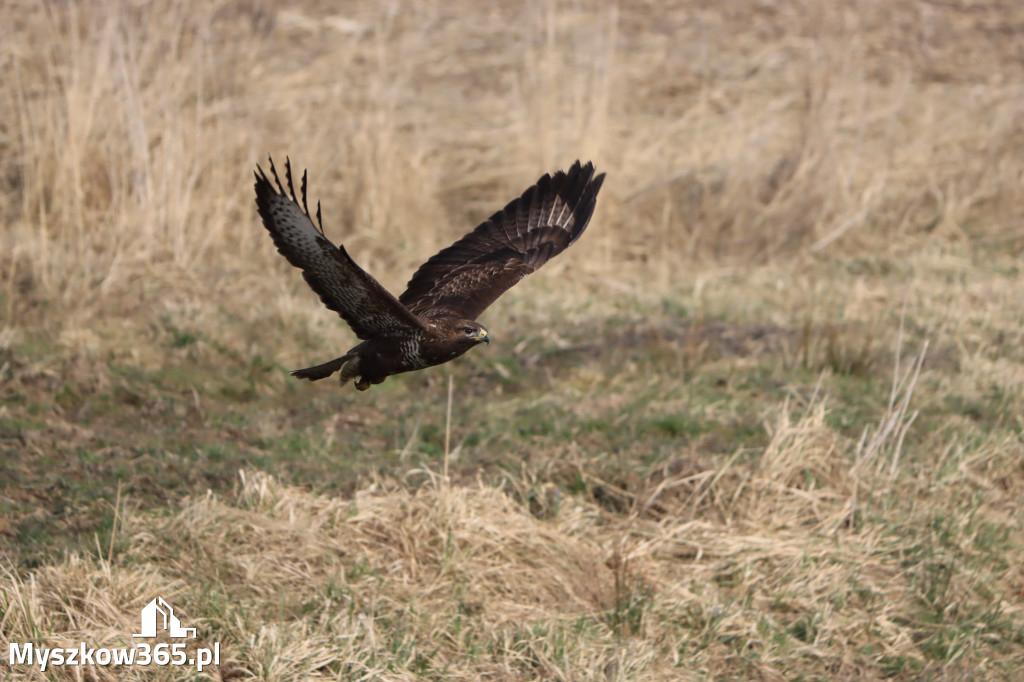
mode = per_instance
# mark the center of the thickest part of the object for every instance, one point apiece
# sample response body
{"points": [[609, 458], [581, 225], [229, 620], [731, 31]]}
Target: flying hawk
{"points": [[434, 320]]}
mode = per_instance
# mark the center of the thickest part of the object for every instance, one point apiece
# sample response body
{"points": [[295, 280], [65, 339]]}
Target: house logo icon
{"points": [[159, 611]]}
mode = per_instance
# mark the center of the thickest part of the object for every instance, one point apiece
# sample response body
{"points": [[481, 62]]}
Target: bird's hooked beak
{"points": [[482, 335]]}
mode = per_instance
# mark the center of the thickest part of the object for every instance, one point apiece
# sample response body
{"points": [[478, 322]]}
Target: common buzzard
{"points": [[433, 321]]}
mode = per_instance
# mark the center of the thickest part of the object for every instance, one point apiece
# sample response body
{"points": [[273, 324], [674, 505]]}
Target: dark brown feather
{"points": [[344, 287], [465, 278]]}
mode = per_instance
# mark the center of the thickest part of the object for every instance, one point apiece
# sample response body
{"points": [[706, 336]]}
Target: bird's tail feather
{"points": [[328, 368]]}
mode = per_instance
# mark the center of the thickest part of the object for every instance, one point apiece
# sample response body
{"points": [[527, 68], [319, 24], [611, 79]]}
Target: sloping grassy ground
{"points": [[762, 422], [680, 499]]}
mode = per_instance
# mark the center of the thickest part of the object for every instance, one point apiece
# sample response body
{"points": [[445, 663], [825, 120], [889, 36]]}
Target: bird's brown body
{"points": [[434, 320], [377, 359]]}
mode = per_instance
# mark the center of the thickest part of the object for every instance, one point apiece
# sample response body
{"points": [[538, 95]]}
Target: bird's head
{"points": [[454, 336], [473, 332]]}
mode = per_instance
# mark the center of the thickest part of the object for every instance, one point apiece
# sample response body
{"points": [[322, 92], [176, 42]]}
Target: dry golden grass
{"points": [[762, 422], [740, 132]]}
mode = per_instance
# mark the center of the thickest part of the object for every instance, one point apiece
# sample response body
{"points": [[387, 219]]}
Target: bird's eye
{"points": [[468, 330]]}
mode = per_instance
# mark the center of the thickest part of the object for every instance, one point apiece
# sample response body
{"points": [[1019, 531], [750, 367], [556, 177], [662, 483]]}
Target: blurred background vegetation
{"points": [[781, 374]]}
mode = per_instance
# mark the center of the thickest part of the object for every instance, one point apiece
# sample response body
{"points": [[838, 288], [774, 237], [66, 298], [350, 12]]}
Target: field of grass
{"points": [[764, 421]]}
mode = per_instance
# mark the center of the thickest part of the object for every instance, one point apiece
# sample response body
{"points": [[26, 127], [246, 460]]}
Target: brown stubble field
{"points": [[764, 421]]}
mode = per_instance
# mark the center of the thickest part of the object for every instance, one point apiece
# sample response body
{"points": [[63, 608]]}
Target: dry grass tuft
{"points": [[466, 581]]}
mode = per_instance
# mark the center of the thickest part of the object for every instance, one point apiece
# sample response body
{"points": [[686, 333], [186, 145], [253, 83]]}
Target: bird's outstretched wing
{"points": [[465, 278], [343, 286]]}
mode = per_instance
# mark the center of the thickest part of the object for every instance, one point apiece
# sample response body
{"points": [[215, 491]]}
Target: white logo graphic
{"points": [[170, 621]]}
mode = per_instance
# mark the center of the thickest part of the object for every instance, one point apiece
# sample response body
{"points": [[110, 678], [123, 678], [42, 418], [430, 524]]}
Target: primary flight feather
{"points": [[434, 320]]}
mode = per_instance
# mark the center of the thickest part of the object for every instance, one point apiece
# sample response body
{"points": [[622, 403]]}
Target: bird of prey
{"points": [[434, 321]]}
